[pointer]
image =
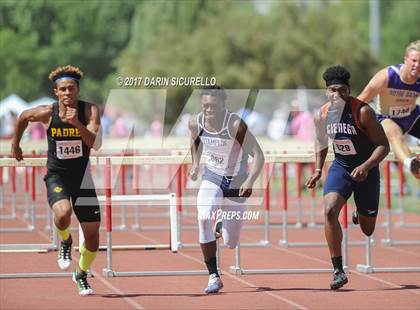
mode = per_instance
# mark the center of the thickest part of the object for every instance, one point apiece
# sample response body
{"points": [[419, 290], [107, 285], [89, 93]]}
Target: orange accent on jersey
{"points": [[356, 105]]}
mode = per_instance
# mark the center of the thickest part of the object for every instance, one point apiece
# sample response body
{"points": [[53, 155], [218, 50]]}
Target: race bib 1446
{"points": [[69, 149]]}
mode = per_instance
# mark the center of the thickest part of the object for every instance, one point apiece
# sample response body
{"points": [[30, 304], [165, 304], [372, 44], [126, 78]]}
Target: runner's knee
{"points": [[62, 210], [331, 212]]}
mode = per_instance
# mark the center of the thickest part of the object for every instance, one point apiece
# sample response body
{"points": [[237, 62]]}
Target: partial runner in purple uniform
{"points": [[398, 88], [359, 144]]}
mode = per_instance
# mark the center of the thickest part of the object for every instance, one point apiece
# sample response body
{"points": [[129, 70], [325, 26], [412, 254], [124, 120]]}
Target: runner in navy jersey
{"points": [[359, 144]]}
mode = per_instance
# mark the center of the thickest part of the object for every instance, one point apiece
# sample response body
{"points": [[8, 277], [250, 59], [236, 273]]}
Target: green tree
{"points": [[288, 48], [21, 55], [400, 26], [38, 35]]}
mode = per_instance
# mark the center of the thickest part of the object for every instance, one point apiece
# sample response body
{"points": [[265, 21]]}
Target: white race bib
{"points": [[216, 160], [344, 147], [398, 112], [69, 149]]}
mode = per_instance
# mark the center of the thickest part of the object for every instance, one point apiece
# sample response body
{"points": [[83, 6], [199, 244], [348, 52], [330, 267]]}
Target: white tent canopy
{"points": [[14, 104], [41, 101]]}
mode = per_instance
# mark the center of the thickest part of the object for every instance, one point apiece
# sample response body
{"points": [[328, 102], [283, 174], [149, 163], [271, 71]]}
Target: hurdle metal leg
{"points": [[12, 215], [299, 223], [136, 225], [388, 228], [109, 271], [238, 270], [1, 188], [368, 268]]}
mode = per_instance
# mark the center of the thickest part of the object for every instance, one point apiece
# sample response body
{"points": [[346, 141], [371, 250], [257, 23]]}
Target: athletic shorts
{"points": [[84, 200], [230, 185], [366, 193], [409, 124]]}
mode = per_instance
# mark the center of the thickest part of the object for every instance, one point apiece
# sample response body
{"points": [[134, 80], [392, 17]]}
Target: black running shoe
{"points": [[64, 255], [355, 218], [415, 167], [80, 278], [339, 279]]}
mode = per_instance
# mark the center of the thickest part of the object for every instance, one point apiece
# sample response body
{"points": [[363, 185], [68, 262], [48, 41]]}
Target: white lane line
{"points": [[394, 285], [405, 251], [226, 273], [129, 300], [416, 292]]}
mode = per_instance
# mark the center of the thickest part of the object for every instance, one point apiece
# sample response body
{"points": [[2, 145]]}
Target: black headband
{"points": [[337, 81]]}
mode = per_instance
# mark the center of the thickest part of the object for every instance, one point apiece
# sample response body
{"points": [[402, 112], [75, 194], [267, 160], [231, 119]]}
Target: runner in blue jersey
{"points": [[398, 90], [226, 143], [359, 145]]}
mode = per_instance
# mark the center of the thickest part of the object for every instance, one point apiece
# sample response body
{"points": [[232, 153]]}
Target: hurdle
{"points": [[1, 187], [299, 223], [284, 242], [122, 215], [136, 180], [27, 195], [266, 241], [30, 247], [31, 225], [123, 225], [12, 173], [137, 217], [401, 194], [109, 271], [388, 214], [123, 201], [238, 270], [313, 223], [33, 275], [368, 268]]}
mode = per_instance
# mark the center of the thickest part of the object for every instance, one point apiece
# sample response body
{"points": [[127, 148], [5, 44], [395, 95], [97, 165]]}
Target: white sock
{"points": [[407, 163]]}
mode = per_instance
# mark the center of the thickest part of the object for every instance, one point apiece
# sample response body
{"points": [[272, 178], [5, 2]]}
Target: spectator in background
{"points": [[301, 124], [156, 129], [277, 126], [8, 125], [106, 121], [37, 131], [119, 129]]}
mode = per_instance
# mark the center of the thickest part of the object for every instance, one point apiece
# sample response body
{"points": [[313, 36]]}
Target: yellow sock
{"points": [[86, 258], [64, 234]]}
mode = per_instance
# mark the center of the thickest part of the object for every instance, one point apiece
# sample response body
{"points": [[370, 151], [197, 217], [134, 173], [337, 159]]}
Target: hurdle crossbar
{"points": [[109, 271]]}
